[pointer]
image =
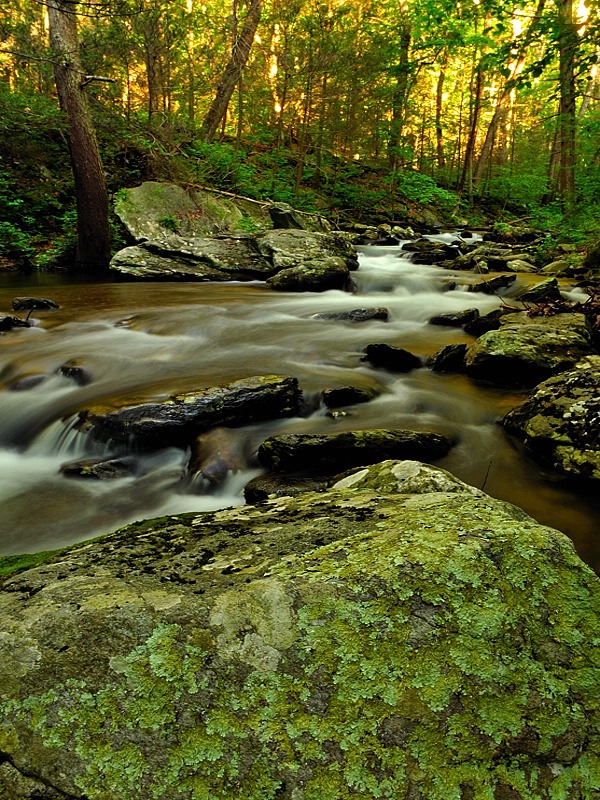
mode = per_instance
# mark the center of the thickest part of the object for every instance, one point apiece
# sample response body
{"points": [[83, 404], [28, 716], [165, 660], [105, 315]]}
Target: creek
{"points": [[146, 341]]}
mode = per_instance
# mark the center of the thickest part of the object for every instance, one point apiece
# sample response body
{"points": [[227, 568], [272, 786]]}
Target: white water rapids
{"points": [[146, 341]]}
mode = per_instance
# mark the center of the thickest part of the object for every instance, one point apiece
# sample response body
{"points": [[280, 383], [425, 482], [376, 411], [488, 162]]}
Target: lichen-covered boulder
{"points": [[318, 275], [232, 257], [400, 636], [286, 249], [154, 208], [527, 350], [560, 421]]}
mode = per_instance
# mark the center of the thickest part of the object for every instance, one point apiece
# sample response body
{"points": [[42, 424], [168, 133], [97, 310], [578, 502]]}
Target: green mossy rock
{"points": [[527, 350], [400, 636], [560, 421]]}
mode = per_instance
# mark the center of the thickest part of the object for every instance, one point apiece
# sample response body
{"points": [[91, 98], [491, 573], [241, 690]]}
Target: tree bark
{"points": [[567, 45], [93, 233], [401, 90], [439, 95], [467, 172], [231, 76]]}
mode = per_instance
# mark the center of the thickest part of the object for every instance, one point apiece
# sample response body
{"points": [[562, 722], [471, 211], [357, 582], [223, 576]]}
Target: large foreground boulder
{"points": [[560, 421], [400, 636], [526, 350]]}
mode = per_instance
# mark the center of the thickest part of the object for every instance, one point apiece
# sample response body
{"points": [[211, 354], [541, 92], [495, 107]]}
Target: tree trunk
{"points": [[231, 76], [567, 45], [439, 95], [93, 232], [400, 95], [467, 172]]}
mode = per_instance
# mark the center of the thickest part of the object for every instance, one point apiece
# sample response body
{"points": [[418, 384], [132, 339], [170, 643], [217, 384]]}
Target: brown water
{"points": [[145, 341]]}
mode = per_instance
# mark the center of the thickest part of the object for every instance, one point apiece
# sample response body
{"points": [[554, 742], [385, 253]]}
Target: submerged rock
{"points": [[356, 315], [330, 453], [99, 469], [526, 350], [560, 421], [179, 420], [30, 303], [402, 635]]}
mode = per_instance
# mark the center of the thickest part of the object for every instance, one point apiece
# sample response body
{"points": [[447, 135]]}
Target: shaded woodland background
{"points": [[478, 109]]}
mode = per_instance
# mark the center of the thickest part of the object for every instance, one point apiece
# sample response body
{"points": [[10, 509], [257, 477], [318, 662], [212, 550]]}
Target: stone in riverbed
{"points": [[560, 421], [7, 323], [493, 285], [402, 635], [449, 359], [456, 320], [30, 303], [395, 359], [540, 292], [347, 396], [99, 469], [178, 421], [355, 315], [312, 276], [526, 350], [330, 453]]}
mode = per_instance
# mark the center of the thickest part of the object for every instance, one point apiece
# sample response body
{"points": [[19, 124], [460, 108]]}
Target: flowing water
{"points": [[146, 341]]}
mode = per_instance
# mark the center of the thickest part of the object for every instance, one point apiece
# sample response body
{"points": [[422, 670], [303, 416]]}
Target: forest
{"points": [[479, 109]]}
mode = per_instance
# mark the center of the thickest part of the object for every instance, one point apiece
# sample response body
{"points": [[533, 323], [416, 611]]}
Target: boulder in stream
{"points": [[319, 275], [180, 419], [450, 358], [526, 350], [30, 303], [456, 320], [560, 421], [232, 257], [394, 359], [401, 635], [328, 453], [312, 261], [540, 292], [7, 323], [99, 469], [356, 315]]}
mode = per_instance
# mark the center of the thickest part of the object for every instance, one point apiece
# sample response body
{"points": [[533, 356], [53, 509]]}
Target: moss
{"points": [[12, 565], [423, 656]]}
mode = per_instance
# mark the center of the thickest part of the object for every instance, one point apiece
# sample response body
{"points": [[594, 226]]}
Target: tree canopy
{"points": [[489, 98]]}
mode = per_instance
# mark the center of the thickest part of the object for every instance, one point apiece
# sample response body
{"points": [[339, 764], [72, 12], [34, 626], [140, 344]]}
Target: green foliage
{"points": [[169, 222], [416, 187]]}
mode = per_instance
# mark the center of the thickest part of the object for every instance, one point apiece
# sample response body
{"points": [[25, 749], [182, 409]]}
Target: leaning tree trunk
{"points": [[93, 234], [230, 79]]}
